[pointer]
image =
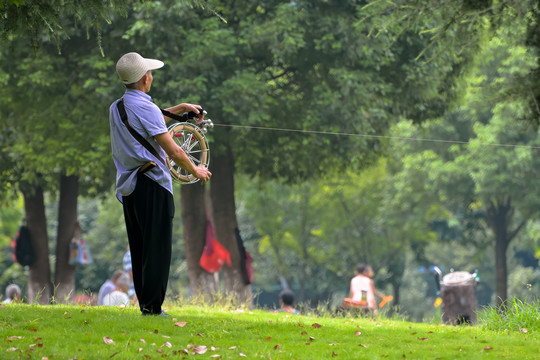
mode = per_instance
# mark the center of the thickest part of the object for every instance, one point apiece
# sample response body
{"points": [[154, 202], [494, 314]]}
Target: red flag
{"points": [[214, 254]]}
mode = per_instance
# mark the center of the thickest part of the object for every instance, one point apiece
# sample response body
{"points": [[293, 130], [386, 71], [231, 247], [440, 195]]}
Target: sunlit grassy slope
{"points": [[203, 332]]}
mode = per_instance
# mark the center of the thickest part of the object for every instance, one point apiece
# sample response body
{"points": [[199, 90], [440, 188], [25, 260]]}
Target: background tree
{"points": [[464, 26], [62, 142], [272, 62], [493, 172]]}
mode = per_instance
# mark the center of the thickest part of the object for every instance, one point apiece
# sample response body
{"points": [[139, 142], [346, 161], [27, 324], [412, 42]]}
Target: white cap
{"points": [[131, 67]]}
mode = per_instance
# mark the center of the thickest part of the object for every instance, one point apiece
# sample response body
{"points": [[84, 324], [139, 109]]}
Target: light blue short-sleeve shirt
{"points": [[128, 154]]}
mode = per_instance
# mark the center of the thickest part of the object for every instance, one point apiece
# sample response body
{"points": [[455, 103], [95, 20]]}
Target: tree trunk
{"points": [[192, 202], [64, 278], [396, 292], [39, 283], [225, 223], [498, 219]]}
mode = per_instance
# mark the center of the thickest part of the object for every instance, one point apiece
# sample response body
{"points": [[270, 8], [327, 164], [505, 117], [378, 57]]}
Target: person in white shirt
{"points": [[109, 285], [363, 290], [119, 296]]}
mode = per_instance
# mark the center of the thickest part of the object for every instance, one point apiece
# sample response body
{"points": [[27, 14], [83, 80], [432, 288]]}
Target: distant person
{"points": [[119, 296], [109, 285], [286, 301], [13, 294], [363, 290], [129, 270]]}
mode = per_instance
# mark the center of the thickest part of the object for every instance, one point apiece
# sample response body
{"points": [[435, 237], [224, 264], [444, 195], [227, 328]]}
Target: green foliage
{"points": [[11, 213], [286, 65], [34, 19], [464, 27]]}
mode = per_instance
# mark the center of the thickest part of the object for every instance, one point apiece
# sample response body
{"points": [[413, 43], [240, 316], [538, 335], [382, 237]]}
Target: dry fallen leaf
{"points": [[156, 331], [524, 331], [357, 333], [303, 332], [11, 338], [362, 345], [140, 349], [311, 338], [180, 323], [268, 338], [308, 343], [315, 325], [232, 348], [159, 351], [142, 340], [216, 356], [242, 355], [334, 354], [422, 338], [277, 347], [167, 344], [201, 349], [488, 348], [200, 335], [33, 330], [107, 340]]}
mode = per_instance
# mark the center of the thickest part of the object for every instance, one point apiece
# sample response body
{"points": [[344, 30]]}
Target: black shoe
{"points": [[162, 313]]}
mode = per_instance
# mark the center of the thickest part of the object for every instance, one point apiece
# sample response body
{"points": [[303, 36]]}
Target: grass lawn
{"points": [[204, 332]]}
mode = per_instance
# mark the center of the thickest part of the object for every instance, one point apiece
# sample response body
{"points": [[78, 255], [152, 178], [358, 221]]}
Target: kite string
{"points": [[376, 136]]}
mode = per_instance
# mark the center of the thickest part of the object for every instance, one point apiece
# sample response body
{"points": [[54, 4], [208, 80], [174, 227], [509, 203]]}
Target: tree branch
{"points": [[535, 103], [517, 230]]}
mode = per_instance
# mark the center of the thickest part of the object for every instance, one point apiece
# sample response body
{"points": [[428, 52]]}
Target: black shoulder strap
{"points": [[136, 135]]}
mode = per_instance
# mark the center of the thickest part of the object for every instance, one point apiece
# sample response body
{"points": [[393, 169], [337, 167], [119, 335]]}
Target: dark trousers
{"points": [[148, 212]]}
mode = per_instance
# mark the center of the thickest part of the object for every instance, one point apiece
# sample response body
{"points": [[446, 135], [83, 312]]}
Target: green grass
{"points": [[514, 314], [77, 332]]}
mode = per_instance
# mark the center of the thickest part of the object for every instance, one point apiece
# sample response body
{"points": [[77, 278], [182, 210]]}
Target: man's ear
{"points": [[144, 79]]}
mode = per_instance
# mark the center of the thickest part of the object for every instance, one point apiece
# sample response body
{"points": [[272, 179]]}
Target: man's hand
{"points": [[186, 107], [202, 173], [197, 110]]}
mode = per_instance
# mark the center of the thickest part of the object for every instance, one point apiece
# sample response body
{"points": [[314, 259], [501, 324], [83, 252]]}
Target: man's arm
{"points": [[176, 153]]}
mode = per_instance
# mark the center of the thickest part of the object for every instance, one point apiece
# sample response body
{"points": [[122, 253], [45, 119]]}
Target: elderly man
{"points": [[13, 294], [139, 140]]}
